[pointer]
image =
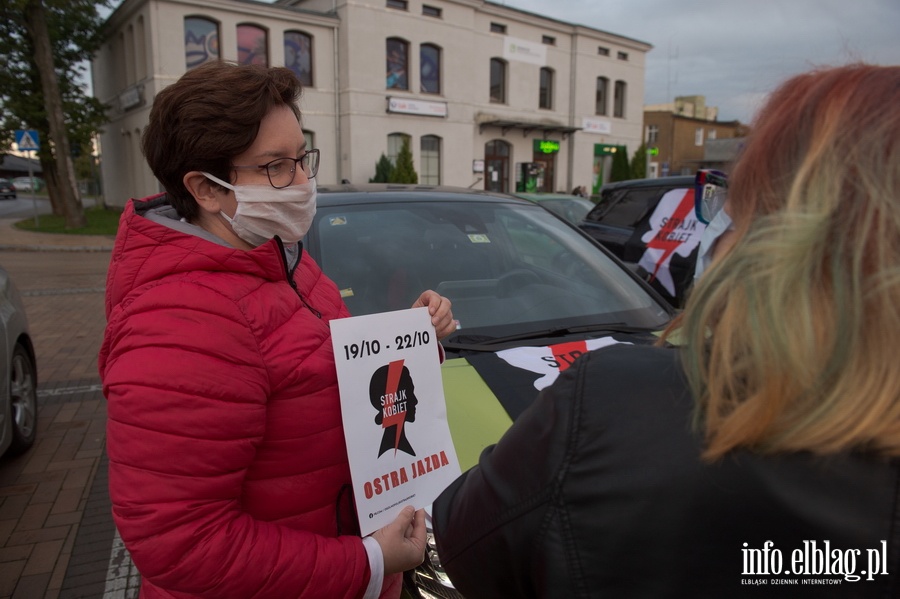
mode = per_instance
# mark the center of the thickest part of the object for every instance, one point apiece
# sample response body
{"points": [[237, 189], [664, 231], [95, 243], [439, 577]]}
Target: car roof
{"points": [[348, 193], [677, 181], [548, 196]]}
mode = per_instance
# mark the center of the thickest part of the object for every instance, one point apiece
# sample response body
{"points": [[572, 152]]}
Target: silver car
{"points": [[18, 373]]}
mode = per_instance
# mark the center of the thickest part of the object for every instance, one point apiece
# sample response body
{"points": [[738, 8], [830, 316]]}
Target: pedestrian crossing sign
{"points": [[27, 139]]}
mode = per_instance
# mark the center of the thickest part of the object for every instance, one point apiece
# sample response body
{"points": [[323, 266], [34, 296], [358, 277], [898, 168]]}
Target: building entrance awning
{"points": [[527, 127]]}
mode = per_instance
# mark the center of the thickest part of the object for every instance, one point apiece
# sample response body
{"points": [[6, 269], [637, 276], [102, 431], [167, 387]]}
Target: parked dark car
{"points": [[531, 293], [7, 190], [18, 373], [650, 225]]}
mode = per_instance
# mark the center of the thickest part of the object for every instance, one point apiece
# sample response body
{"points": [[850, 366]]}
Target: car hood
{"points": [[485, 392]]}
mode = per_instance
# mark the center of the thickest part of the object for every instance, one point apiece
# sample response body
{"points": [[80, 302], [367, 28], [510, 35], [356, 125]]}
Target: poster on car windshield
{"points": [[394, 413], [674, 229]]}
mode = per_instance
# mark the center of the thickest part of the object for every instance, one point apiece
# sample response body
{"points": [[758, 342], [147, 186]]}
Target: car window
{"points": [[500, 264], [573, 210], [631, 207]]}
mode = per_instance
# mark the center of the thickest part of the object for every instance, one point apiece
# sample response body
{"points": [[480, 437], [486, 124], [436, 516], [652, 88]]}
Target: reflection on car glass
{"points": [[337, 220]]}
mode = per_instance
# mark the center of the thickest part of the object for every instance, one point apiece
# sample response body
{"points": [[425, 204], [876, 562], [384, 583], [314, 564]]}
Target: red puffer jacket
{"points": [[226, 451]]}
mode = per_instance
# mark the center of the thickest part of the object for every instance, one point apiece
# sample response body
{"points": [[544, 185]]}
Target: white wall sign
{"points": [[524, 51], [131, 97], [477, 166], [420, 107], [394, 414], [602, 126]]}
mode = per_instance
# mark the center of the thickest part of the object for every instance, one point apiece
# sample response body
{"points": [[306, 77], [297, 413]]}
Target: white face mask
{"points": [[720, 223], [264, 212]]}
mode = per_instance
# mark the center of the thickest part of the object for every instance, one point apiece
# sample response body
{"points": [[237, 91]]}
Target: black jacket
{"points": [[598, 490]]}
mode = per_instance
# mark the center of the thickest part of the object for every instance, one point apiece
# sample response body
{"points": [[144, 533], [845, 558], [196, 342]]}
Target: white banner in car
{"points": [[674, 229], [395, 418]]}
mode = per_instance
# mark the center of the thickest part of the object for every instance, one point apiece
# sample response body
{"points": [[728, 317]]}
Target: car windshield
{"points": [[509, 269]]}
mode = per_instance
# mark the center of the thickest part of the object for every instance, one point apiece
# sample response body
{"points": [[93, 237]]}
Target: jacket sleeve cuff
{"points": [[376, 568]]}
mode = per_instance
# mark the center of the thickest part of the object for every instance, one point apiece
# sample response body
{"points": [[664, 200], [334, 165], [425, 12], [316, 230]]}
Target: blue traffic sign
{"points": [[27, 139]]}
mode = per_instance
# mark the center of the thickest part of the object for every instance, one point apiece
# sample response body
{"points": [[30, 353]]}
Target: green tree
{"points": [[639, 163], [44, 46], [383, 170], [404, 171], [620, 170]]}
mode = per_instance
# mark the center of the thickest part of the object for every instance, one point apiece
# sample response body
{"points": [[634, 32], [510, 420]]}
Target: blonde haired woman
{"points": [[766, 450]]}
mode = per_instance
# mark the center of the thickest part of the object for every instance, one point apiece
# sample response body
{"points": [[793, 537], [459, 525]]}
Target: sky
{"points": [[734, 52]]}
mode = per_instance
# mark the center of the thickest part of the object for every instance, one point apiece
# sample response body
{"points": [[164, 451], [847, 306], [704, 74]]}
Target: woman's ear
{"points": [[204, 191]]}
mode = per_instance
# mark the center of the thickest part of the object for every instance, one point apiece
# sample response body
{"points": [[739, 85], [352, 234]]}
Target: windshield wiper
{"points": [[487, 343]]}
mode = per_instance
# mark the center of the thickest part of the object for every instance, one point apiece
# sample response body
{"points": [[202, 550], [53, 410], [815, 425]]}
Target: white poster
{"points": [[395, 417]]}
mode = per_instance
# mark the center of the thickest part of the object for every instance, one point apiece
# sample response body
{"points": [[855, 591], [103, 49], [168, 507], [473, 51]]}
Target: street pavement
{"points": [[57, 539]]}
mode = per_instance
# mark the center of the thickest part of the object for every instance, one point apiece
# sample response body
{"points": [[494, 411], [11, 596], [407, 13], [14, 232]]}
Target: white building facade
{"points": [[487, 96]]}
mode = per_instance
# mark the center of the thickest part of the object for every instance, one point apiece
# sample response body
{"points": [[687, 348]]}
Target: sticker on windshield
{"points": [[479, 238], [337, 220]]}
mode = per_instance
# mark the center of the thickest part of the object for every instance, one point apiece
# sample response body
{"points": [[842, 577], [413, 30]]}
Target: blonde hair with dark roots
{"points": [[791, 337]]}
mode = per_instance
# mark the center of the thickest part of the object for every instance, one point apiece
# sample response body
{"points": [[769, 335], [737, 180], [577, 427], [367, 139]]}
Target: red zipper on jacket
{"points": [[290, 273]]}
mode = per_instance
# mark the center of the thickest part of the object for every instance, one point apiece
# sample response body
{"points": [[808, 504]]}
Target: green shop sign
{"points": [[546, 146]]}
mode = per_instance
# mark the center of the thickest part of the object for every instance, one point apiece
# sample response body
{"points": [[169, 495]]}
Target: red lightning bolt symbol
{"points": [[661, 240], [395, 369], [571, 349]]}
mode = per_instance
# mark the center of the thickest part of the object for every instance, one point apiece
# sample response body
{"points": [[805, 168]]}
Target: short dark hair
{"points": [[209, 116]]}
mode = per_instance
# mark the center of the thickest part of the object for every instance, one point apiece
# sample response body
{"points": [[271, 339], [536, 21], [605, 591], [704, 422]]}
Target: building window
{"points": [[431, 11], [602, 51], [430, 69], [601, 100], [398, 4], [546, 93], [310, 138], [201, 41], [298, 55], [652, 134], [619, 100], [698, 136], [395, 142], [549, 40], [711, 134], [129, 56], [140, 50], [498, 28], [430, 160], [397, 63], [253, 45], [622, 55], [498, 81]]}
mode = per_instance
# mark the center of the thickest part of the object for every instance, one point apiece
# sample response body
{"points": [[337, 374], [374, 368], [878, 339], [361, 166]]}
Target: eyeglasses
{"points": [[281, 170], [710, 192]]}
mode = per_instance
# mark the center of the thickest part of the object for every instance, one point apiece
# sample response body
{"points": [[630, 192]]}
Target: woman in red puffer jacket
{"points": [[228, 470]]}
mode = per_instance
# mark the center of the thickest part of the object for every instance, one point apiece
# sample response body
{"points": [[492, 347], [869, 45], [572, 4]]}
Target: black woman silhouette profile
{"points": [[392, 393]]}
